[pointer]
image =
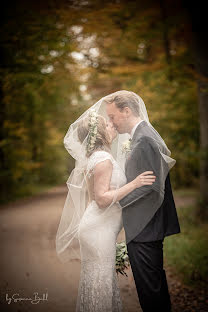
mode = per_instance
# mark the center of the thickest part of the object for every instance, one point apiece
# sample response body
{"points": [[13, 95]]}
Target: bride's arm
{"points": [[102, 176]]}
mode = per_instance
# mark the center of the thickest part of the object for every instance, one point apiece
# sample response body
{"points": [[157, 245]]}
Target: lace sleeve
{"points": [[96, 158]]}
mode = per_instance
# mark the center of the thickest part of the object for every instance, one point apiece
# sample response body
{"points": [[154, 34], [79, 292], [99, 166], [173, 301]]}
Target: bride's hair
{"points": [[102, 139], [124, 98]]}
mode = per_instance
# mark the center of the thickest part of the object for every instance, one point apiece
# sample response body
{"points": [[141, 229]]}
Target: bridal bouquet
{"points": [[122, 259]]}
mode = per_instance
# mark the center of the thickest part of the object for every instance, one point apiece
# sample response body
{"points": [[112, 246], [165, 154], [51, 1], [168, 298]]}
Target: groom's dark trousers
{"points": [[146, 260]]}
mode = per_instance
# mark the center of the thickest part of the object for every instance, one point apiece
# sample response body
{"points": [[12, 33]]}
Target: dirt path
{"points": [[30, 264]]}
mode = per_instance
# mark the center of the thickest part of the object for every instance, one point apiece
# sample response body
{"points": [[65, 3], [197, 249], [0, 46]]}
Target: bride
{"points": [[92, 217]]}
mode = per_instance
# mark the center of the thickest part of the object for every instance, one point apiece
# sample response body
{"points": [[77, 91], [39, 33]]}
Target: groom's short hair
{"points": [[124, 98]]}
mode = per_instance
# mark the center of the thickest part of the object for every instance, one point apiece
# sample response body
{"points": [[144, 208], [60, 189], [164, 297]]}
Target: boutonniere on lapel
{"points": [[126, 148]]}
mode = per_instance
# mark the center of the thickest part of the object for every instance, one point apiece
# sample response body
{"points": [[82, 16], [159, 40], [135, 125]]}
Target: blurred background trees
{"points": [[60, 57]]}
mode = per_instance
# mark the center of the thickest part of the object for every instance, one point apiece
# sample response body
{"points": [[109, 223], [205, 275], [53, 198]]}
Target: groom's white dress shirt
{"points": [[134, 128]]}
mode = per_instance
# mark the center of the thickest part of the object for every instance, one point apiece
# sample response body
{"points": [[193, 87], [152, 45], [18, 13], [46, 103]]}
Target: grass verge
{"points": [[187, 252]]}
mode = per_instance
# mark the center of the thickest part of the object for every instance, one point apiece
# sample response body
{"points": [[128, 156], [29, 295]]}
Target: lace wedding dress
{"points": [[98, 289]]}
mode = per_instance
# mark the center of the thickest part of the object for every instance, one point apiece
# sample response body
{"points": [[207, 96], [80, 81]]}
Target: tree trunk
{"points": [[166, 41], [200, 48]]}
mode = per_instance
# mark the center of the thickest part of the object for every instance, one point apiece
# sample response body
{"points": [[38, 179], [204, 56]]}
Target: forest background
{"points": [[60, 57]]}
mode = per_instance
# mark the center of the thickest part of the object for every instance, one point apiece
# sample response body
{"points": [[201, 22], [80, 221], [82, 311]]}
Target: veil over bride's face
{"points": [[103, 136]]}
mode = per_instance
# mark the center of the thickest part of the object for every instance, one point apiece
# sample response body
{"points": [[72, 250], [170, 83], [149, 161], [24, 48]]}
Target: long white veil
{"points": [[67, 238]]}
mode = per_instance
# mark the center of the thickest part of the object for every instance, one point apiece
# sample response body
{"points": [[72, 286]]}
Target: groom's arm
{"points": [[146, 156], [135, 195]]}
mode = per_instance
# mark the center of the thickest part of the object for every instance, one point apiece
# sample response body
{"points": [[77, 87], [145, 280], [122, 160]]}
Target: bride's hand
{"points": [[145, 178]]}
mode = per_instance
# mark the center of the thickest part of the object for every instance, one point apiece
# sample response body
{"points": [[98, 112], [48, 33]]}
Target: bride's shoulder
{"points": [[98, 156]]}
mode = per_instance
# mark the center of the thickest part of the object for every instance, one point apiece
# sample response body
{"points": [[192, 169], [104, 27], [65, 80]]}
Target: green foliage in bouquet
{"points": [[122, 258]]}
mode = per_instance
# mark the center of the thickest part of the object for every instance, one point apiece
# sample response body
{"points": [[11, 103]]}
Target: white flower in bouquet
{"points": [[122, 258]]}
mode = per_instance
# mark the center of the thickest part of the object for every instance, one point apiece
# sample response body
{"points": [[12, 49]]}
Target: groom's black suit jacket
{"points": [[136, 212]]}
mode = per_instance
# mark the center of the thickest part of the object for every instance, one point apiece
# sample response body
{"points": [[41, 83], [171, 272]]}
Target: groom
{"points": [[146, 224]]}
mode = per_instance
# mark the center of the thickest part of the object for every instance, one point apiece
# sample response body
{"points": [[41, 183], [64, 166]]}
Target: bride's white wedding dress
{"points": [[98, 289]]}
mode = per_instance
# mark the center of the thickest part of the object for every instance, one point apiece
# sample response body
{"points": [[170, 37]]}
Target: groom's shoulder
{"points": [[145, 141]]}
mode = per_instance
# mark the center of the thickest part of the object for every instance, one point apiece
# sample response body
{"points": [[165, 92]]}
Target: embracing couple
{"points": [[121, 179]]}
